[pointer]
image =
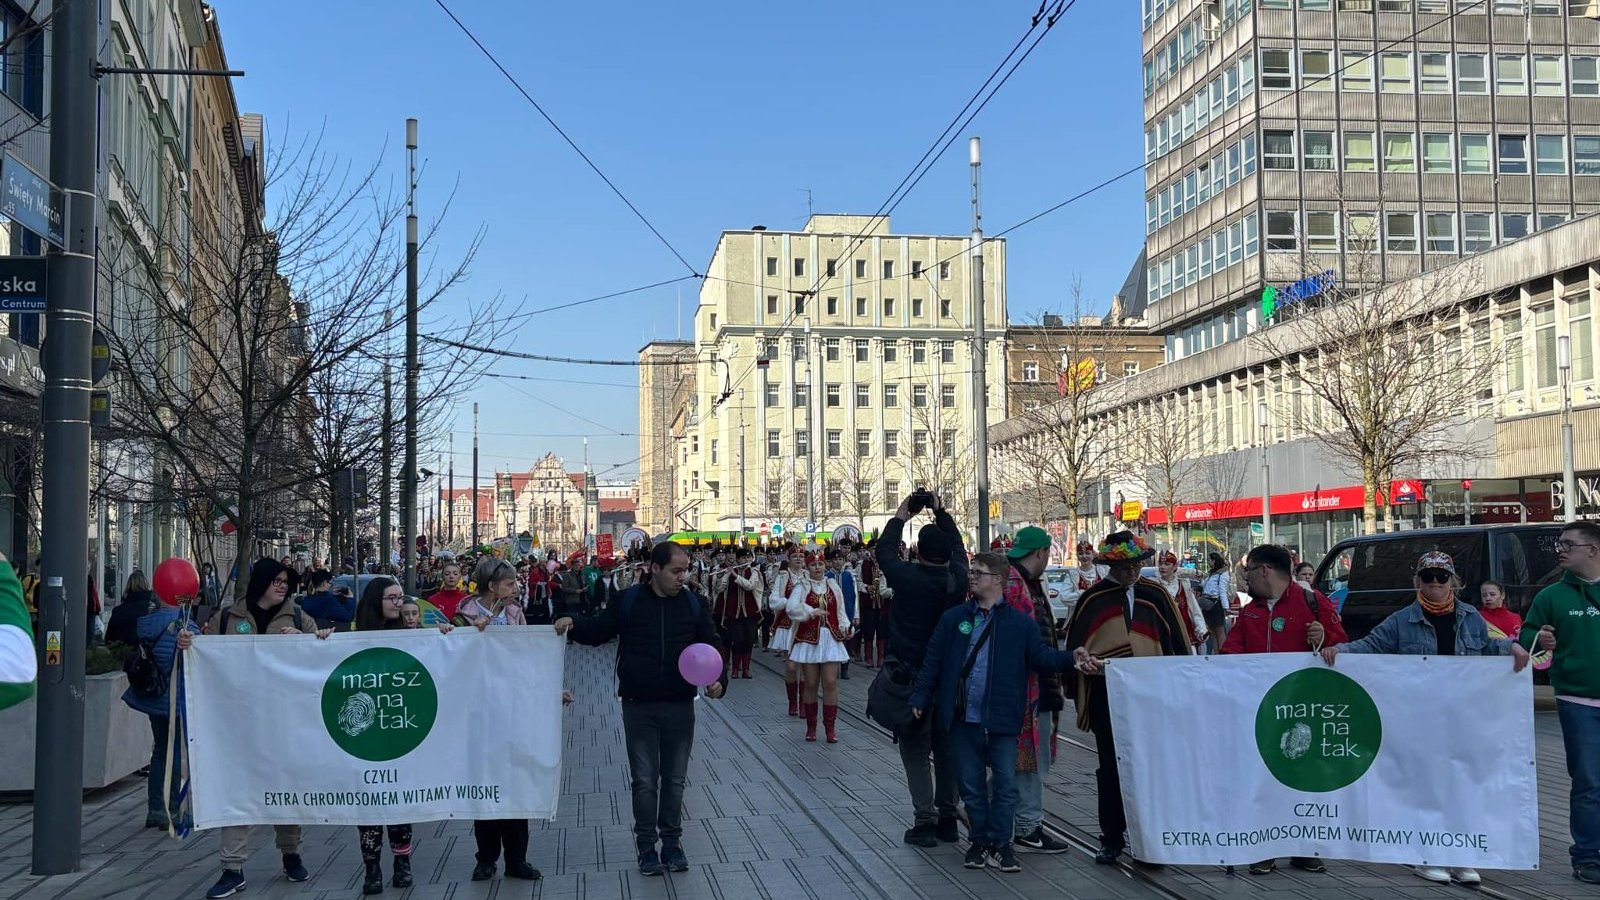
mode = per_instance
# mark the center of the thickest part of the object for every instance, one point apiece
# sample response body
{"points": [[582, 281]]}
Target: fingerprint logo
{"points": [[357, 714], [1295, 742]]}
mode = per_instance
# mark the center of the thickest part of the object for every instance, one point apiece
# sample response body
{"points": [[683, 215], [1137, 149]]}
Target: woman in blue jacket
{"points": [[157, 633]]}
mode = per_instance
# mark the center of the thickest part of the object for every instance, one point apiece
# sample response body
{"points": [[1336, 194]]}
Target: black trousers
{"points": [[869, 630], [659, 736], [1108, 783], [493, 834], [742, 634], [372, 841]]}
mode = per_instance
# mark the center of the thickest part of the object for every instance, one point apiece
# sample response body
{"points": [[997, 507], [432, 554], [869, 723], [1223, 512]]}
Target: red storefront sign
{"points": [[1321, 500]]}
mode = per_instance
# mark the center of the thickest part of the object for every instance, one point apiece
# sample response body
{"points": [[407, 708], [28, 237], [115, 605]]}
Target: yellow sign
{"points": [[1132, 510], [994, 509], [52, 641]]}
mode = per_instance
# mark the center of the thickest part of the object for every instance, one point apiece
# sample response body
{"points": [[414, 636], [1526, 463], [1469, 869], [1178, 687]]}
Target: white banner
{"points": [[375, 728], [1226, 760]]}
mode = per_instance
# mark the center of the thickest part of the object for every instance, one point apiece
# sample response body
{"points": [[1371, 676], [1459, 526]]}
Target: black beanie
{"points": [[932, 544]]}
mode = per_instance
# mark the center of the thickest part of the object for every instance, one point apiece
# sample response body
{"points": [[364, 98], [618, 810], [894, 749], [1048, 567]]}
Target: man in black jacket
{"points": [[923, 590], [654, 621]]}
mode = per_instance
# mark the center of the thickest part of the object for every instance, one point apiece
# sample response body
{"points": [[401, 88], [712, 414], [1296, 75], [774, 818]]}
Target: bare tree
{"points": [[859, 480], [1165, 446], [1385, 371]]}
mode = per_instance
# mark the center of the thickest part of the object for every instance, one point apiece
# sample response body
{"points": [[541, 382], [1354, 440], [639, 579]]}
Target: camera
{"points": [[920, 499]]}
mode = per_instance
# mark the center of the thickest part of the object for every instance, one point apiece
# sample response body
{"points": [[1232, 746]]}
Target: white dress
{"points": [[827, 649], [782, 638]]}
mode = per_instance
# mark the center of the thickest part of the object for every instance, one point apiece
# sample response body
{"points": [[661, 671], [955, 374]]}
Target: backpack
{"points": [[145, 677]]}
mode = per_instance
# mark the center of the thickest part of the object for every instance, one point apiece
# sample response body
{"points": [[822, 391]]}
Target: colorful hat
{"points": [[1123, 547], [1436, 559], [1168, 558]]}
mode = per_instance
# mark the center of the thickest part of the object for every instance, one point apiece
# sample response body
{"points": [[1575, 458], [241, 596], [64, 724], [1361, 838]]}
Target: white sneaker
{"points": [[1465, 876], [1433, 873]]}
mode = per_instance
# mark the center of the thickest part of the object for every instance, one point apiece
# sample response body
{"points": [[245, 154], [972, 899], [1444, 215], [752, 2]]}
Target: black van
{"points": [[1371, 576]]}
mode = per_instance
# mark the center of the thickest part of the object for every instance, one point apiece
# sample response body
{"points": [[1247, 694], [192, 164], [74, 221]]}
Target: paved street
{"points": [[769, 817]]}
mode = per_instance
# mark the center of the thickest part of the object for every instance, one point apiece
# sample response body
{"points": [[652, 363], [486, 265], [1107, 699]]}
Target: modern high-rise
{"points": [[1287, 138]]}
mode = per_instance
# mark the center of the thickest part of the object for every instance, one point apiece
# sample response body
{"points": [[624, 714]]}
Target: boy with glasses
{"points": [[975, 677]]}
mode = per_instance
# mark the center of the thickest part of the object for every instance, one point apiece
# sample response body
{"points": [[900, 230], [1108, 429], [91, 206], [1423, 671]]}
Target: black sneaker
{"points": [[672, 858], [1587, 872], [1036, 841], [1004, 859], [523, 871], [1308, 864], [1264, 867], [294, 869], [948, 830], [483, 871], [922, 836], [650, 862], [231, 882], [977, 857]]}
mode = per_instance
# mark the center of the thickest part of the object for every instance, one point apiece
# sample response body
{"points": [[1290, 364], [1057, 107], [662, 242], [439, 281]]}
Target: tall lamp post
{"points": [[1266, 476], [1569, 480]]}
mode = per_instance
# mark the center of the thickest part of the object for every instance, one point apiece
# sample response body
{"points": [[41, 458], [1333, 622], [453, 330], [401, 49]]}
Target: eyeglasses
{"points": [[283, 581], [1434, 576], [1571, 545], [978, 573]]}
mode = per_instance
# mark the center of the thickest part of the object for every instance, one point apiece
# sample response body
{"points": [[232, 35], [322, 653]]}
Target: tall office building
{"points": [[1353, 141]]}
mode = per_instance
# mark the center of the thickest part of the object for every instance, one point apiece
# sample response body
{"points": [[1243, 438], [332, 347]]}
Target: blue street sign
{"points": [[777, 529], [811, 528], [32, 202]]}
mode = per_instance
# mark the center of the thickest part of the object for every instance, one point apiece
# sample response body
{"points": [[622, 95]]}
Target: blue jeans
{"points": [[155, 810], [1030, 785], [986, 766], [1580, 730]]}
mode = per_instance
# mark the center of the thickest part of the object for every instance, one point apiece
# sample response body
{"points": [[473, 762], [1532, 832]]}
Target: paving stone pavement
{"points": [[768, 816]]}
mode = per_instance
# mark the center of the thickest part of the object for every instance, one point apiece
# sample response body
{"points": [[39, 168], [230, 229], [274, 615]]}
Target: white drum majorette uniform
{"points": [[820, 630], [782, 627]]}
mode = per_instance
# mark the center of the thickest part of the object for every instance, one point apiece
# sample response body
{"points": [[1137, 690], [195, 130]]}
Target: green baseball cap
{"points": [[1027, 541]]}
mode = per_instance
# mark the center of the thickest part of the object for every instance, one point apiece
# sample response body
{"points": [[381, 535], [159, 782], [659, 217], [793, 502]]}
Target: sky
{"points": [[708, 115]]}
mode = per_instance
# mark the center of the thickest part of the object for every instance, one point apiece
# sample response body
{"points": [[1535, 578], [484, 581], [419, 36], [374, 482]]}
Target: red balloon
{"points": [[174, 580]]}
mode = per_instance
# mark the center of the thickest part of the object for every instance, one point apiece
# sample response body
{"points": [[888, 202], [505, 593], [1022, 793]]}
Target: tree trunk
{"points": [[1369, 497]]}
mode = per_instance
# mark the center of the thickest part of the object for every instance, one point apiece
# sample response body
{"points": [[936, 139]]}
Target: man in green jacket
{"points": [[19, 665], [1565, 619]]}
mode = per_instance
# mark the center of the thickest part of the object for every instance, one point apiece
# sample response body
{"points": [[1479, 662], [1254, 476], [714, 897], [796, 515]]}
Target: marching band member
{"points": [[782, 627], [816, 606], [737, 610], [1180, 584]]}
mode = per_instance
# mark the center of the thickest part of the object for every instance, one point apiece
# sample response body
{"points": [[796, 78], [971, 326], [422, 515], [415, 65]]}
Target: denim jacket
{"points": [[1408, 632]]}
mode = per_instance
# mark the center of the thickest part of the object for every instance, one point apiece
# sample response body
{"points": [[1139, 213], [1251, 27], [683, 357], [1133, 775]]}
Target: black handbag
{"points": [[889, 701]]}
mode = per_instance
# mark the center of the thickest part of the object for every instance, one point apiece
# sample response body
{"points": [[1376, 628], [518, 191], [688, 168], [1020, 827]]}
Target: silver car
{"points": [[1061, 589]]}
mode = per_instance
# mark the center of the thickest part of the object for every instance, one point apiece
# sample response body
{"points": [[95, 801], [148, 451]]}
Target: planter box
{"points": [[116, 739]]}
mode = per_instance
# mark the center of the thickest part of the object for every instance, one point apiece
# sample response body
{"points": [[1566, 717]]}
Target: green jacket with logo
{"points": [[18, 660], [1570, 606]]}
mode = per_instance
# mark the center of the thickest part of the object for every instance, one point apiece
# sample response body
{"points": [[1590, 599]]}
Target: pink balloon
{"points": [[700, 665]]}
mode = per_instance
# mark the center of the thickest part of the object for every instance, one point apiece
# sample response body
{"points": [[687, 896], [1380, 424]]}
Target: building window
{"points": [[1316, 70], [891, 494], [1437, 153], [802, 443], [1513, 154], [833, 306], [916, 307], [888, 307], [1277, 150], [1322, 233], [1511, 328], [1477, 232], [1030, 371], [1513, 226], [1318, 149], [916, 268], [1399, 151], [1276, 70], [1550, 154], [1548, 78], [919, 396], [800, 267], [1031, 405], [771, 392], [799, 304], [1400, 229], [947, 396], [1435, 73], [891, 396], [774, 493], [830, 349], [772, 304], [861, 307], [713, 451], [888, 269], [835, 495], [1396, 73], [1550, 220], [774, 444], [1357, 72], [919, 443], [835, 443], [919, 353], [1544, 346], [1359, 152], [947, 443], [1510, 74], [861, 268], [1585, 154], [947, 350], [831, 395], [944, 272], [1281, 231], [891, 352], [1475, 154], [832, 267], [802, 395], [944, 308], [1582, 328], [863, 443], [1585, 76], [891, 445], [798, 346], [772, 266], [863, 396], [1472, 73], [1441, 232], [861, 350]]}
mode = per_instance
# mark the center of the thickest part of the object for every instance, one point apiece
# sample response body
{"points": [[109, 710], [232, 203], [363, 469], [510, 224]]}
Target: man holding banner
{"points": [[654, 622]]}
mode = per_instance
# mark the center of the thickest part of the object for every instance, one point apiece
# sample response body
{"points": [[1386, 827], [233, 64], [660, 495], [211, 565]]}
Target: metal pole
{"points": [[355, 543], [741, 464], [587, 487], [385, 544], [1266, 478], [63, 604], [1569, 479], [980, 390], [408, 475], [474, 475], [450, 493], [813, 370]]}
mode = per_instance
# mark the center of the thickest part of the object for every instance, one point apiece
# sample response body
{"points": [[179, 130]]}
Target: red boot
{"points": [[747, 665], [830, 715], [793, 688], [811, 722]]}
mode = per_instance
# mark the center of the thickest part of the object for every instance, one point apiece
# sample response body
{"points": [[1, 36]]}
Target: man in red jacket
{"points": [[1282, 617]]}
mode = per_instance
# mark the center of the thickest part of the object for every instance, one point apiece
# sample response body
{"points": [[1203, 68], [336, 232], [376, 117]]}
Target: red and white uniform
{"points": [[820, 629], [782, 626]]}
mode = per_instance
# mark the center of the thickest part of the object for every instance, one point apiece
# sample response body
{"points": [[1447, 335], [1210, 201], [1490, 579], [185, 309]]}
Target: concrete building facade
{"points": [[666, 382]]}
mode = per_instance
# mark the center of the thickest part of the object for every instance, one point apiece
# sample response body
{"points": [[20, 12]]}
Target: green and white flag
{"points": [[1421, 760], [374, 728], [18, 662]]}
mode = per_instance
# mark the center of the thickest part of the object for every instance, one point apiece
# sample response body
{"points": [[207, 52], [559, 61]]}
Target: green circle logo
{"points": [[964, 628], [1318, 730], [379, 704]]}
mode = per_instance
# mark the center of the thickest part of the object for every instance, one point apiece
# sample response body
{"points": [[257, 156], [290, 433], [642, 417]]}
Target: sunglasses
{"points": [[1434, 576]]}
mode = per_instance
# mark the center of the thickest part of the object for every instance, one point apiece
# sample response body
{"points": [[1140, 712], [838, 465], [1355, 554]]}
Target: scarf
{"points": [[1019, 597], [1445, 607]]}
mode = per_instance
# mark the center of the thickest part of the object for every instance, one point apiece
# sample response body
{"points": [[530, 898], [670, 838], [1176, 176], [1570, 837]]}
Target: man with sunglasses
{"points": [[1565, 619], [1282, 617]]}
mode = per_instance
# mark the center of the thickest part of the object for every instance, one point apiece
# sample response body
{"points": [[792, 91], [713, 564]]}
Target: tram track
{"points": [[1084, 842]]}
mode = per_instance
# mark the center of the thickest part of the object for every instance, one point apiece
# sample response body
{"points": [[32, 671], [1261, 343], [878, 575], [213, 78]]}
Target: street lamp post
{"points": [[1569, 480], [1266, 477]]}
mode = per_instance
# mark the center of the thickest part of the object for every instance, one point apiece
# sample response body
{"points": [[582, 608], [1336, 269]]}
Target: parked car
{"points": [[1370, 577], [1061, 588]]}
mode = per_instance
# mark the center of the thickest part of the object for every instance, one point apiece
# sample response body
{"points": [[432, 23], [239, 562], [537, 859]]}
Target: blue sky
{"points": [[708, 115]]}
